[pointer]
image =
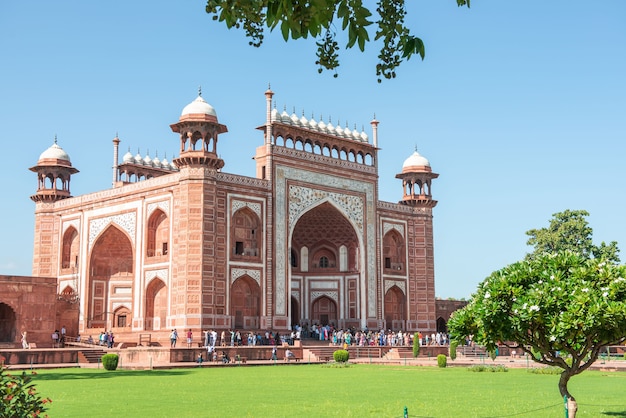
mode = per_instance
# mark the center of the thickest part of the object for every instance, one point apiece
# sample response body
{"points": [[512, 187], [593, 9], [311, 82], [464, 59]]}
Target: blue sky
{"points": [[519, 106]]}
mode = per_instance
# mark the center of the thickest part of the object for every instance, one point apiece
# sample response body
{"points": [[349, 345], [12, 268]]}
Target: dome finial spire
{"points": [[55, 139], [200, 91]]}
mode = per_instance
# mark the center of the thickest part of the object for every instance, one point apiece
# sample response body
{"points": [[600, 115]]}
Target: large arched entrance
{"points": [[245, 297], [295, 312], [324, 311], [7, 323], [395, 308], [110, 274], [156, 305], [324, 254]]}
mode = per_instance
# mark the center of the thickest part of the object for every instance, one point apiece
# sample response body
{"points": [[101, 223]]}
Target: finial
{"points": [[55, 139], [274, 104], [269, 86], [415, 147], [148, 152], [200, 91], [117, 134]]}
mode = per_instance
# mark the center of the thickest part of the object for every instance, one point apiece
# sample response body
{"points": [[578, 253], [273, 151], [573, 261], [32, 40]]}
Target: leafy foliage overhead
{"points": [[319, 19]]}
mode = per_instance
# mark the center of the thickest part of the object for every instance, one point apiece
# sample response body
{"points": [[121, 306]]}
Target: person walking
{"points": [[173, 338], [189, 338]]}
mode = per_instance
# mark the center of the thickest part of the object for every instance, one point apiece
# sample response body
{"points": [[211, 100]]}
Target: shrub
{"points": [[442, 360], [341, 356], [18, 396], [416, 344], [453, 346], [488, 368], [546, 370], [109, 361]]}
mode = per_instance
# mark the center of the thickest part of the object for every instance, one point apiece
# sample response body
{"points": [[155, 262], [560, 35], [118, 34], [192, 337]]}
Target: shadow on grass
{"points": [[615, 413], [104, 374]]}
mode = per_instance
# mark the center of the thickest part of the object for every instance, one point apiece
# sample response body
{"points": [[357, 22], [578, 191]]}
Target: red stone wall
{"points": [[33, 300]]}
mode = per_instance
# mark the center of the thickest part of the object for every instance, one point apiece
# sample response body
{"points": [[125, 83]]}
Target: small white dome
{"points": [[339, 130], [356, 135], [285, 117], [294, 119], [128, 157], [330, 128], [138, 159], [364, 136], [415, 160], [165, 164], [147, 161], [55, 152], [304, 121], [313, 123], [321, 126], [275, 115], [199, 106]]}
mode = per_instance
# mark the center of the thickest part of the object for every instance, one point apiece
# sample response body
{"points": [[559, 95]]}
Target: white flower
{"points": [[584, 289], [534, 308], [552, 338], [605, 294], [487, 295], [552, 277], [540, 281]]}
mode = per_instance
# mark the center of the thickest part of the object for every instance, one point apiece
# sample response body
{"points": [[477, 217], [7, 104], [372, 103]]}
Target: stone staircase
{"points": [[324, 353], [90, 356]]}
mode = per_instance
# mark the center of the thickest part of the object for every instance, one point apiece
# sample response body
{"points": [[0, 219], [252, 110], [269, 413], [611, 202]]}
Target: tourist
{"points": [[223, 338], [289, 355], [173, 338], [189, 338], [55, 338], [90, 340], [63, 334], [274, 350]]}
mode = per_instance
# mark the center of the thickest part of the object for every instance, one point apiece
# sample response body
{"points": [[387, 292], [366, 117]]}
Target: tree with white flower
{"points": [[562, 309]]}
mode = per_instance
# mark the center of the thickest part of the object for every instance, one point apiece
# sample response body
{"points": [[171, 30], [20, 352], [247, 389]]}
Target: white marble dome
{"points": [[55, 152], [415, 160], [199, 106]]}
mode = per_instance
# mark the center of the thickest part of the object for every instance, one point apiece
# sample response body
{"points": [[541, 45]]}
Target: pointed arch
{"points": [[111, 260], [7, 323], [70, 248], [245, 234], [395, 308], [394, 253], [156, 305], [157, 243], [324, 311], [245, 303]]}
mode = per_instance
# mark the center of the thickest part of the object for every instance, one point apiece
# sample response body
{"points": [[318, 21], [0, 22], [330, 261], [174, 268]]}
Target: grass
{"points": [[317, 391]]}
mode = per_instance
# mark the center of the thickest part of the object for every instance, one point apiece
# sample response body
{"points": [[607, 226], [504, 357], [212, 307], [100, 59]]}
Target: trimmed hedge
{"points": [[416, 344], [341, 356], [453, 346], [442, 360], [109, 361]]}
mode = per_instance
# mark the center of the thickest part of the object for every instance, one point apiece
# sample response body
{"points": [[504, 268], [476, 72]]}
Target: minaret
{"points": [[198, 128], [416, 178], [54, 170], [116, 150]]}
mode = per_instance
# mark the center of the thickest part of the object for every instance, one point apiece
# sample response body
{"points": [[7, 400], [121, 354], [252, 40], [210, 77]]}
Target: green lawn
{"points": [[318, 391]]}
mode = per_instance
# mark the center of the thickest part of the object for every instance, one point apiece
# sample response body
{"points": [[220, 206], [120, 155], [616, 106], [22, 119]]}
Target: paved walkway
{"points": [[606, 365]]}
